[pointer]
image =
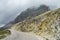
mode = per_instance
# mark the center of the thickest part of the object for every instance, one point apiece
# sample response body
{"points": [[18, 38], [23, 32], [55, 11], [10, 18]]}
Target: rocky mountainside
{"points": [[46, 26], [30, 12]]}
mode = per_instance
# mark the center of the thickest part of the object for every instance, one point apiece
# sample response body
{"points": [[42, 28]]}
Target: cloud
{"points": [[10, 8]]}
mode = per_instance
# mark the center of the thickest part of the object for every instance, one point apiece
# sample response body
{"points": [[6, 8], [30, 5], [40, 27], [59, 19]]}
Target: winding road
{"points": [[15, 35]]}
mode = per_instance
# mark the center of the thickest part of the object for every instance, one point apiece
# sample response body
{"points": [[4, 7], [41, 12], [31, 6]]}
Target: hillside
{"points": [[29, 12], [46, 25]]}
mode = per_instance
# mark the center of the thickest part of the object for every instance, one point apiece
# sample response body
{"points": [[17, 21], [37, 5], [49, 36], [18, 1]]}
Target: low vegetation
{"points": [[4, 33]]}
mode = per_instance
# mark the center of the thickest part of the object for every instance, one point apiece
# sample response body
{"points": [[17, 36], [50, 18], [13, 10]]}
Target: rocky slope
{"points": [[45, 26], [29, 12]]}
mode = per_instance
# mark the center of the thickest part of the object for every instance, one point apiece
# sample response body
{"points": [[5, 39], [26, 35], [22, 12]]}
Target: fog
{"points": [[9, 9]]}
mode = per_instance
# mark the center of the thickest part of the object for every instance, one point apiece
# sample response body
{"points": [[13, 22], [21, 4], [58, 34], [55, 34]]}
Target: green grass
{"points": [[4, 33]]}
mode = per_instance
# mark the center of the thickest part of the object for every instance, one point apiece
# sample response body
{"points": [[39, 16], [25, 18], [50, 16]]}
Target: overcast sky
{"points": [[9, 9]]}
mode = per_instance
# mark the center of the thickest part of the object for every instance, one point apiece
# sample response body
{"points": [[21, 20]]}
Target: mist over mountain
{"points": [[32, 12], [30, 19], [28, 13], [9, 9]]}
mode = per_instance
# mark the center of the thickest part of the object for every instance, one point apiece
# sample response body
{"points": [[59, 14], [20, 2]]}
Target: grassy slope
{"points": [[4, 33]]}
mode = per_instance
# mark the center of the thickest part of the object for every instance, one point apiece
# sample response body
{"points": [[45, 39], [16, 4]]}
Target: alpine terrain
{"points": [[45, 26]]}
